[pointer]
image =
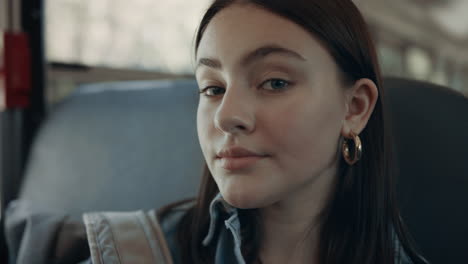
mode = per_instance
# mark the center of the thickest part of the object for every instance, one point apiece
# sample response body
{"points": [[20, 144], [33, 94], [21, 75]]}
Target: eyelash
{"points": [[287, 84], [204, 90]]}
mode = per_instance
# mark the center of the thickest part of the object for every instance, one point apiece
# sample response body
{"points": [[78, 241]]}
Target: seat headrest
{"points": [[430, 127], [117, 146]]}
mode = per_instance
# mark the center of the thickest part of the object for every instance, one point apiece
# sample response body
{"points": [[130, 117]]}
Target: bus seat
{"points": [[117, 146], [130, 145], [430, 127]]}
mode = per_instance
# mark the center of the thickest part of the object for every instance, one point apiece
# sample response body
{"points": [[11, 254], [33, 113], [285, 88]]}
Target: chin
{"points": [[244, 198], [240, 202]]}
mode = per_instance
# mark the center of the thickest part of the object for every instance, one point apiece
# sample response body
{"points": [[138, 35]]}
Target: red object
{"points": [[15, 73]]}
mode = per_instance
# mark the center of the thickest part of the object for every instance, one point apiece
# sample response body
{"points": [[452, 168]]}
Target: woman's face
{"points": [[272, 107]]}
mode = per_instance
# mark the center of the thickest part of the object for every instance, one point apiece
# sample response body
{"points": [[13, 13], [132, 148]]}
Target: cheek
{"points": [[306, 136], [204, 123]]}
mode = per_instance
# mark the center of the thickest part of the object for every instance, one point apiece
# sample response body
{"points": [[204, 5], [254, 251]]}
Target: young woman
{"points": [[291, 122]]}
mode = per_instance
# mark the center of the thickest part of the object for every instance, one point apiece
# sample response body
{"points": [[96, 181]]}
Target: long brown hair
{"points": [[361, 222]]}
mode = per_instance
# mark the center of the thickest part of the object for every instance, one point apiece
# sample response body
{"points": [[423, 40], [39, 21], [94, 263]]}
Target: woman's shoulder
{"points": [[174, 211], [152, 234], [170, 218], [37, 235], [65, 238]]}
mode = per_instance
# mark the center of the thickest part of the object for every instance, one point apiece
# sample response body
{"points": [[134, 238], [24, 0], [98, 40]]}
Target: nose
{"points": [[235, 114]]}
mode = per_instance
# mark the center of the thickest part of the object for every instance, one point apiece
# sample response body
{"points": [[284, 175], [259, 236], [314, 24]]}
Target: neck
{"points": [[291, 226]]}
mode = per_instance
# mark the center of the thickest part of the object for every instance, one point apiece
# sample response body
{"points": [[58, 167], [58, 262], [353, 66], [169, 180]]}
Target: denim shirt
{"points": [[228, 247], [24, 226]]}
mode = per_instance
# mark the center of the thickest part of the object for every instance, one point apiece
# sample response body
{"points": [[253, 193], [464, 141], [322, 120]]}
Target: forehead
{"points": [[241, 28]]}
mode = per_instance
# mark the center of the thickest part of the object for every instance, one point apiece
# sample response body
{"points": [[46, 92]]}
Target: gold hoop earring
{"points": [[357, 150]]}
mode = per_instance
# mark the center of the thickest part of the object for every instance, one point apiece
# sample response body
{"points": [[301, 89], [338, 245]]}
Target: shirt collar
{"points": [[217, 206]]}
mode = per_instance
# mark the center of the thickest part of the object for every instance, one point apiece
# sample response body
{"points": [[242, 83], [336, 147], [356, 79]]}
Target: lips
{"points": [[237, 158]]}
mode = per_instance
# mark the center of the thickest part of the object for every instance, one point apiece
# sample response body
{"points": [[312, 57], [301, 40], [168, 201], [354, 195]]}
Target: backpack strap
{"points": [[126, 237]]}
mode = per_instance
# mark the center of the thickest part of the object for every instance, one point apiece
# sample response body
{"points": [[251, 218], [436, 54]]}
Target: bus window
{"points": [[94, 41]]}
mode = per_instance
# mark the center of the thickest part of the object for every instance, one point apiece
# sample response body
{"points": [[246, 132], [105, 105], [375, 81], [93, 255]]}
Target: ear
{"points": [[360, 103]]}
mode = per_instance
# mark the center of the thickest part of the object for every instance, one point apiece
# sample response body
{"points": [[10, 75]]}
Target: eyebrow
{"points": [[255, 55]]}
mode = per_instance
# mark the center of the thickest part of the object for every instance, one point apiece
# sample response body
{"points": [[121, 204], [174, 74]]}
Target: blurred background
{"points": [[101, 40]]}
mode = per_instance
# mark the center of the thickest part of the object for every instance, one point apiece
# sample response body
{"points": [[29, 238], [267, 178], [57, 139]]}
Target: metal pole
{"points": [[18, 124], [11, 129], [22, 22], [12, 145]]}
